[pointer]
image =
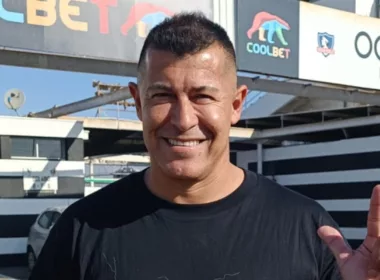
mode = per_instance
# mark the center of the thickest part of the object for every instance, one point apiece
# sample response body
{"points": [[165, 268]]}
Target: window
{"points": [[55, 218], [49, 148], [28, 147], [23, 147], [48, 219], [45, 220]]}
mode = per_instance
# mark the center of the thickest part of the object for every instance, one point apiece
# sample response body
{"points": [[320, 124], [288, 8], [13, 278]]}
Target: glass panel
{"points": [[49, 148], [45, 219], [23, 147], [55, 218]]}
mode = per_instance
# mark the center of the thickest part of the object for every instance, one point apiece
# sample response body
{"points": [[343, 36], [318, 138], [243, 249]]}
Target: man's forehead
{"points": [[211, 58]]}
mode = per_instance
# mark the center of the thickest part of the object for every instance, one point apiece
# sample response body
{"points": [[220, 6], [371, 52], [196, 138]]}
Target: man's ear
{"points": [[134, 89], [237, 103]]}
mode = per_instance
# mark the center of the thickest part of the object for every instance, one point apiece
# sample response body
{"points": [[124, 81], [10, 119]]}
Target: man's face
{"points": [[187, 106]]}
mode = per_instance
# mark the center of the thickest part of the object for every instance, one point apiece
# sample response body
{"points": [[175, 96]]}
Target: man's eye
{"points": [[203, 96], [161, 95]]}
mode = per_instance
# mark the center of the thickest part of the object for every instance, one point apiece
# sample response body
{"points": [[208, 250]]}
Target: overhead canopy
{"points": [[114, 136], [315, 126]]}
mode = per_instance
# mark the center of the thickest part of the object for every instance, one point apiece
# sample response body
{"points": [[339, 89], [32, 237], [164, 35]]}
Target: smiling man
{"points": [[187, 99], [193, 214]]}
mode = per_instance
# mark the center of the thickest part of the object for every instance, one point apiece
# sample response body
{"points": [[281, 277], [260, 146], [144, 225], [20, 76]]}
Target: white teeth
{"points": [[183, 143]]}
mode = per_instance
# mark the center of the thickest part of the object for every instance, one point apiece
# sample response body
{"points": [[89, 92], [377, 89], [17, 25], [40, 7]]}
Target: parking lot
{"points": [[14, 273]]}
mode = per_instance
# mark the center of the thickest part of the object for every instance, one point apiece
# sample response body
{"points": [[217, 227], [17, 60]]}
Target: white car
{"points": [[39, 232]]}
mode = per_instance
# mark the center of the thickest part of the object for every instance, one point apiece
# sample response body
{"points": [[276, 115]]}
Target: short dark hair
{"points": [[187, 33]]}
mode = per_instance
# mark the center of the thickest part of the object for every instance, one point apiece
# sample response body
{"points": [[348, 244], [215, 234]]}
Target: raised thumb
{"points": [[336, 243]]}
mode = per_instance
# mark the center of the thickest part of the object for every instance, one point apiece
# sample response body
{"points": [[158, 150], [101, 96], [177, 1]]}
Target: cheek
{"points": [[215, 118], [154, 116]]}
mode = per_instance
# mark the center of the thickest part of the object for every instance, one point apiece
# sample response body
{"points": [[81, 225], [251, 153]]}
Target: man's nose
{"points": [[183, 115]]}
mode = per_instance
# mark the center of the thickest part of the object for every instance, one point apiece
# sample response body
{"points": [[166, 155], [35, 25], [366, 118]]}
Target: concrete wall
{"points": [[19, 206], [339, 175]]}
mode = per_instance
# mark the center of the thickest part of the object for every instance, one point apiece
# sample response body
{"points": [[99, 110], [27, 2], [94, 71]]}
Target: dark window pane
{"points": [[22, 147], [49, 148], [45, 219], [55, 218]]}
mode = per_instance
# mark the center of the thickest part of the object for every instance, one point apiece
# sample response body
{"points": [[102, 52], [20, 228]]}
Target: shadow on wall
{"points": [[346, 5]]}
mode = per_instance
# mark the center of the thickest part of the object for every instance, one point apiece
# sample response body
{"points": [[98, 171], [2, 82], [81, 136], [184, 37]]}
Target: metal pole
{"points": [[271, 133], [92, 174], [84, 104], [259, 158]]}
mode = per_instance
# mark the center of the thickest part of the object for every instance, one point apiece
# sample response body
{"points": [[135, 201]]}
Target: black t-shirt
{"points": [[261, 231]]}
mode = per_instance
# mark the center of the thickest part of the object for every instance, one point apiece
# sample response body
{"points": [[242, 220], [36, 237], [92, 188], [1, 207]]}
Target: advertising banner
{"points": [[102, 29], [267, 36], [339, 47]]}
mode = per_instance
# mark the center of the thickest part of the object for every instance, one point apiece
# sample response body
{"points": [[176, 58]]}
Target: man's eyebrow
{"points": [[205, 89], [168, 88], [159, 86]]}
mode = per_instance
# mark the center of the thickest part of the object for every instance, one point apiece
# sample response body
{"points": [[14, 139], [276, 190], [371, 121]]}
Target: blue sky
{"points": [[45, 88]]}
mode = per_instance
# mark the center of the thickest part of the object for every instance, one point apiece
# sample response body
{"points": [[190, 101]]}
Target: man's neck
{"points": [[217, 185]]}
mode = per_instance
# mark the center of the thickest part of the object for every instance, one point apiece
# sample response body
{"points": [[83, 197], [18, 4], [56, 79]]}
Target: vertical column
{"points": [[259, 158], [5, 147], [73, 186], [74, 149]]}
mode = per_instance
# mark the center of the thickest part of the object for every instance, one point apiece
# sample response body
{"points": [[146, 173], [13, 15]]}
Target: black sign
{"points": [[267, 37], [373, 45], [103, 29]]}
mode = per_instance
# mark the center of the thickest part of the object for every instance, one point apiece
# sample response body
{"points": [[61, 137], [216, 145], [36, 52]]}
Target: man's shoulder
{"points": [[107, 200], [286, 201]]}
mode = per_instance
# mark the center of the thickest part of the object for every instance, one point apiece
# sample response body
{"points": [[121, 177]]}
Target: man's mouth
{"points": [[183, 143]]}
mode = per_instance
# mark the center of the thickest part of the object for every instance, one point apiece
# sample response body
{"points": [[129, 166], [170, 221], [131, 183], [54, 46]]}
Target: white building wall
{"points": [[31, 184], [339, 175]]}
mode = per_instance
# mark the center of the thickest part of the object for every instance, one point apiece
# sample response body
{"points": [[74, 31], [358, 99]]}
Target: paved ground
{"points": [[16, 273]]}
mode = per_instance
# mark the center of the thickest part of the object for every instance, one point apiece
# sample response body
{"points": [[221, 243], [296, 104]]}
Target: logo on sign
{"points": [[47, 13], [372, 45], [145, 16], [270, 39], [325, 43]]}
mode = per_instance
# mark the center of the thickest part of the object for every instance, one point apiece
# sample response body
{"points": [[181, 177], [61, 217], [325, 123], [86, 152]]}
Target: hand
{"points": [[363, 263]]}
